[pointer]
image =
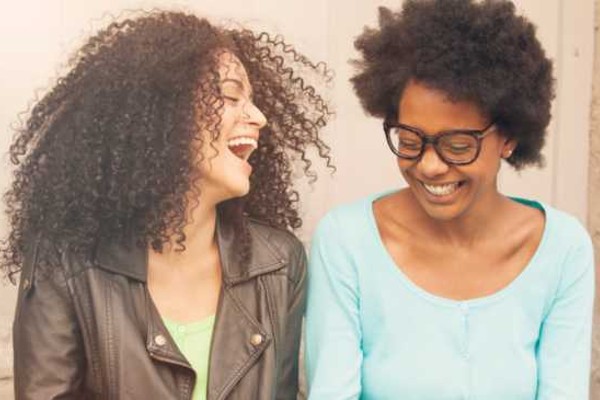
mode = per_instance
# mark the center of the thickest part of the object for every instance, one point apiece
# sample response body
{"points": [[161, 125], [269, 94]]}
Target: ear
{"points": [[508, 148]]}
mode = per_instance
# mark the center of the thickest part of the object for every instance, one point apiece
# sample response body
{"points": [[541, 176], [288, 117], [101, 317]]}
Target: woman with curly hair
{"points": [[150, 213], [448, 289]]}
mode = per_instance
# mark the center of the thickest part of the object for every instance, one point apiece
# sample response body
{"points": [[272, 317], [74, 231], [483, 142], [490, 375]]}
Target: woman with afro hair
{"points": [[150, 216], [448, 289]]}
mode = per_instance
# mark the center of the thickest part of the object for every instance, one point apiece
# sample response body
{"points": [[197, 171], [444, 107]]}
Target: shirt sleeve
{"points": [[287, 384], [48, 347], [564, 347], [333, 331]]}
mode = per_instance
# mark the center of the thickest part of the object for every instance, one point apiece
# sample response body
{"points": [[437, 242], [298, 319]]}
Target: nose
{"points": [[431, 165], [254, 115]]}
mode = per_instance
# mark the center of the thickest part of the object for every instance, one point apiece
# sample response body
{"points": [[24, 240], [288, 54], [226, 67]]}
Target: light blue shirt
{"points": [[373, 334]]}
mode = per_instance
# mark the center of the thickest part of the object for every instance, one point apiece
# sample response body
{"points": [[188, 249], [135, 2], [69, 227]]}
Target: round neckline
{"points": [[190, 327], [475, 301]]}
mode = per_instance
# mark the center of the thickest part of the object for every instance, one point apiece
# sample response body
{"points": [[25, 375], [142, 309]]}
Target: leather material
{"points": [[89, 329]]}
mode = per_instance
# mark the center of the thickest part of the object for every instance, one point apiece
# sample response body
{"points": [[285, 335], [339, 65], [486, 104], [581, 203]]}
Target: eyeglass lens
{"points": [[455, 146]]}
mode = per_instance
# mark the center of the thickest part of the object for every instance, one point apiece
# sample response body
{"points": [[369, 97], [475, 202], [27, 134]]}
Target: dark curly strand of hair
{"points": [[474, 51], [108, 151]]}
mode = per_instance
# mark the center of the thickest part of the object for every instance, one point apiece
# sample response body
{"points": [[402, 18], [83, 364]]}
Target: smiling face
{"points": [[225, 169], [445, 191]]}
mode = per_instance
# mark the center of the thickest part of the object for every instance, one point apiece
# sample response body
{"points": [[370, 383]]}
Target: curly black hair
{"points": [[108, 151], [481, 52]]}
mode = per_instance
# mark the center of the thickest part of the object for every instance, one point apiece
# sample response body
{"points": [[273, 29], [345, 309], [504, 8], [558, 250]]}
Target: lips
{"points": [[242, 146]]}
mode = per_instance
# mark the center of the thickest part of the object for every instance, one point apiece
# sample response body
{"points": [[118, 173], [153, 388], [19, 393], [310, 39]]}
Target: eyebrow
{"points": [[444, 131], [238, 83]]}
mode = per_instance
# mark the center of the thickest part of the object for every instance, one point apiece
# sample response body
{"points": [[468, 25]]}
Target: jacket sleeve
{"points": [[48, 348], [288, 374], [564, 346], [333, 332]]}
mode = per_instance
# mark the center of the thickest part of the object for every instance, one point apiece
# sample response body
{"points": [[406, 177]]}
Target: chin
{"points": [[243, 192], [442, 212], [239, 189]]}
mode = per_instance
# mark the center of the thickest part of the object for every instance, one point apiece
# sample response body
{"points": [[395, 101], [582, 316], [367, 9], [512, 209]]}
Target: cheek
{"points": [[484, 170], [405, 172], [404, 166], [488, 162], [229, 117], [491, 161], [494, 148], [213, 153]]}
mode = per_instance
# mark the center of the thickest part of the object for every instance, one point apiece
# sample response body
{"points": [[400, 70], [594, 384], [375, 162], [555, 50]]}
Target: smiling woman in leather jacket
{"points": [[150, 214]]}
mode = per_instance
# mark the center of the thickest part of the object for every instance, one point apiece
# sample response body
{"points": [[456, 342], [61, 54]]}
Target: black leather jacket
{"points": [[90, 330]]}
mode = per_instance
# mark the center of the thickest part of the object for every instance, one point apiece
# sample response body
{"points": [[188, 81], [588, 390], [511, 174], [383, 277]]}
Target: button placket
{"points": [[464, 308]]}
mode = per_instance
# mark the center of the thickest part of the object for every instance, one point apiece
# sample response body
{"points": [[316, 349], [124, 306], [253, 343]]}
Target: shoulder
{"points": [[108, 256], [567, 256], [564, 231], [285, 246], [347, 222], [566, 251], [45, 258], [281, 240], [348, 214], [47, 266]]}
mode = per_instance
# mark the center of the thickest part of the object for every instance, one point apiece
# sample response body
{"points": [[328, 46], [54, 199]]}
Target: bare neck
{"points": [[200, 241], [476, 224], [185, 285]]}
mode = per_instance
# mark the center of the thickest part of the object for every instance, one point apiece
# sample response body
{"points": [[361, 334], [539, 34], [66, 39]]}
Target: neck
{"points": [[474, 226], [201, 229], [200, 237]]}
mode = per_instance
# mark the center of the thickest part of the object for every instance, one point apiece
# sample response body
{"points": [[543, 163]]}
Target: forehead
{"points": [[432, 110], [230, 67]]}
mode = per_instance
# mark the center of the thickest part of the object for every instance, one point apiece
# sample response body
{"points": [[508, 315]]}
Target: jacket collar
{"points": [[129, 259]]}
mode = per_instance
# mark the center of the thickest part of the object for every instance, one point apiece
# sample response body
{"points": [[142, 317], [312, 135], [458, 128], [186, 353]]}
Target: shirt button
{"points": [[256, 339], [160, 340], [26, 284]]}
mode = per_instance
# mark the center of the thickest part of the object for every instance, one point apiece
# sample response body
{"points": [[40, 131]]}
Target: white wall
{"points": [[37, 36]]}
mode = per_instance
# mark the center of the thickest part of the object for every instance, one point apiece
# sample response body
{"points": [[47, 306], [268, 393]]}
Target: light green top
{"points": [[193, 340]]}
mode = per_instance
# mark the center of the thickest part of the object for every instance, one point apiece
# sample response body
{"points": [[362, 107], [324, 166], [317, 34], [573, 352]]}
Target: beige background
{"points": [[37, 36], [594, 199]]}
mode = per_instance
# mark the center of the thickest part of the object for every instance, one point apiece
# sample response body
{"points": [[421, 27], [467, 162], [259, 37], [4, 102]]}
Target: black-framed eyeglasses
{"points": [[458, 147]]}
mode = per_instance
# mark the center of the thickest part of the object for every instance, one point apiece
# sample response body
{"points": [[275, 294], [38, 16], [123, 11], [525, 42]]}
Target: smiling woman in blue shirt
{"points": [[449, 289]]}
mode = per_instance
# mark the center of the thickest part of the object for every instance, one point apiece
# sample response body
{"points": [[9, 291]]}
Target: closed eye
{"points": [[410, 144], [459, 148], [232, 99]]}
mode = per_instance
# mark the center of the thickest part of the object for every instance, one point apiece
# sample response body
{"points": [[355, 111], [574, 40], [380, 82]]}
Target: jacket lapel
{"points": [[238, 341], [264, 258], [240, 336]]}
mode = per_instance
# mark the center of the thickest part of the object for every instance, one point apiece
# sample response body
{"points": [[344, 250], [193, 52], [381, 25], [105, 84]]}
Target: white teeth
{"points": [[441, 190], [238, 141]]}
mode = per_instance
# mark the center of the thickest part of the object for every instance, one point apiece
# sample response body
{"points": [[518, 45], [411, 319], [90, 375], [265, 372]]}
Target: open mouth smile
{"points": [[442, 190], [242, 146]]}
